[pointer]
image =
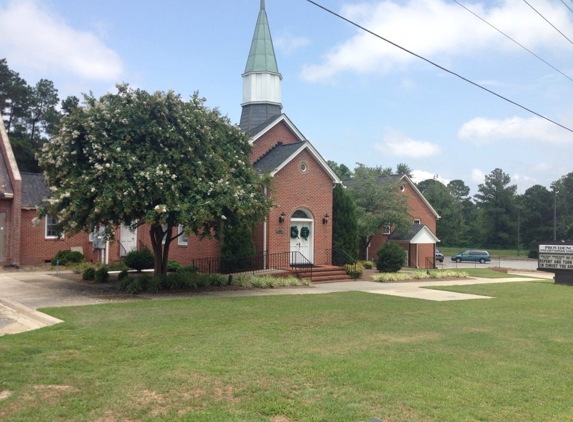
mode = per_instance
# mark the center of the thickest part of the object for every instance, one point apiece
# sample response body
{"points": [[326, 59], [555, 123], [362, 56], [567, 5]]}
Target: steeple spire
{"points": [[261, 79]]}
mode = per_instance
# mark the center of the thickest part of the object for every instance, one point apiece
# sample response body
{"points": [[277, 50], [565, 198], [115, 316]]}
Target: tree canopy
{"points": [[134, 157], [378, 204]]}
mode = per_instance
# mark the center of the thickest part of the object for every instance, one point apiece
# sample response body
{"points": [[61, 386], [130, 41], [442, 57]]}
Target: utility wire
{"points": [[438, 66], [525, 1], [566, 5], [504, 34]]}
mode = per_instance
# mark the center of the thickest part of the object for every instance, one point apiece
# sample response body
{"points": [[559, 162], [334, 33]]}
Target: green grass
{"points": [[337, 357]]}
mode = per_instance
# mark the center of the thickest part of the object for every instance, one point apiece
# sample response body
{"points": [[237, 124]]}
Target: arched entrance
{"points": [[301, 245]]}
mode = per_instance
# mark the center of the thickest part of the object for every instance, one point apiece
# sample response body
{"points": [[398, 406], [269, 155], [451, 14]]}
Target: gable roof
{"points": [[34, 189], [418, 233], [6, 189], [263, 128], [396, 178], [281, 154], [8, 167]]}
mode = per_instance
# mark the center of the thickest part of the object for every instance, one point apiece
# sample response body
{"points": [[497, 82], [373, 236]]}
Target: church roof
{"points": [[262, 54], [418, 234], [276, 156], [34, 189]]}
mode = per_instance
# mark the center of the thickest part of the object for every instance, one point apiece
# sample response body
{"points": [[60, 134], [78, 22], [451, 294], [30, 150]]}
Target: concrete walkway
{"points": [[22, 293]]}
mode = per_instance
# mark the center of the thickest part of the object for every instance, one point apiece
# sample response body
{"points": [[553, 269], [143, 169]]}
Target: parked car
{"points": [[439, 256], [473, 256]]}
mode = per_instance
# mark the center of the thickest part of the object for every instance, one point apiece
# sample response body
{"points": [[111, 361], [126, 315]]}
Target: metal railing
{"points": [[340, 258], [294, 262]]}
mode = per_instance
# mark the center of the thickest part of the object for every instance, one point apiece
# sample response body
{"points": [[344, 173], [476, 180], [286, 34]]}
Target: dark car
{"points": [[473, 256], [439, 256]]}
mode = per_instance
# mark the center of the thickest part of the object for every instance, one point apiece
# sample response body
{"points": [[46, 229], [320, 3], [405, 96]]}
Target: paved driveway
{"points": [[22, 293]]}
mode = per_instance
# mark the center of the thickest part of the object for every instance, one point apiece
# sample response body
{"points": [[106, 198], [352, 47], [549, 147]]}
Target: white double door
{"points": [[302, 249]]}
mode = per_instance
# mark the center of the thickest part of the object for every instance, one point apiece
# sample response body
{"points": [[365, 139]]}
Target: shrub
{"points": [[134, 285], [368, 265], [89, 274], [354, 270], [391, 258], [533, 250], [140, 259], [81, 267], [173, 266], [68, 256], [188, 269], [122, 275], [101, 275], [116, 266]]}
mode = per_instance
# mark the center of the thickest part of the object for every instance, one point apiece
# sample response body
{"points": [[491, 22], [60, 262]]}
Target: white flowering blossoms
{"points": [[151, 158]]}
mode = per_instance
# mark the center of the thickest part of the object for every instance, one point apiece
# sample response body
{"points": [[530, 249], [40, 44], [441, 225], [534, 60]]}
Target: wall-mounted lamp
{"points": [[282, 217], [325, 218]]}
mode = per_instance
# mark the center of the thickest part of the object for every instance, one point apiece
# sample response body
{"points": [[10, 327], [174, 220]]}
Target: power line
{"points": [[567, 6], [438, 66], [504, 34], [525, 1]]}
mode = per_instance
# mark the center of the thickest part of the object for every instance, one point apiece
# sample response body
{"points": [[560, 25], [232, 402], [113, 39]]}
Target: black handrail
{"points": [[256, 263]]}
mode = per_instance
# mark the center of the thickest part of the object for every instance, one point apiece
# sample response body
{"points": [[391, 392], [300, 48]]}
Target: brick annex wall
{"points": [[36, 249], [184, 254], [279, 133], [418, 210], [6, 208], [311, 191]]}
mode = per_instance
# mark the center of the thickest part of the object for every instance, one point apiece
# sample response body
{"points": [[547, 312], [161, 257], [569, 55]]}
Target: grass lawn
{"points": [[339, 357]]}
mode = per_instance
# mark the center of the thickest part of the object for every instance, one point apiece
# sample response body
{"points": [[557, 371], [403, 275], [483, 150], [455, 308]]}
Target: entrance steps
{"points": [[324, 274]]}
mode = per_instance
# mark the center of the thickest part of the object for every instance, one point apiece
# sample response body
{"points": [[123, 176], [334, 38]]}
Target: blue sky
{"points": [[356, 98]]}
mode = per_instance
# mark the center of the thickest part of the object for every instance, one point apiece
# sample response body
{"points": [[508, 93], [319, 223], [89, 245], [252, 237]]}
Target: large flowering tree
{"points": [[138, 158]]}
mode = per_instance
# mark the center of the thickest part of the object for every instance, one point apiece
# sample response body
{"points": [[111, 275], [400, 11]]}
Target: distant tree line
{"points": [[496, 216], [31, 114]]}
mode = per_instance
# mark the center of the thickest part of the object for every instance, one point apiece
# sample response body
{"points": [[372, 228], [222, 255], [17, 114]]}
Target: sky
{"points": [[357, 98]]}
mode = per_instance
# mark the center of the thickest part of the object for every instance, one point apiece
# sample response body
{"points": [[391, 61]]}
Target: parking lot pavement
{"points": [[518, 264]]}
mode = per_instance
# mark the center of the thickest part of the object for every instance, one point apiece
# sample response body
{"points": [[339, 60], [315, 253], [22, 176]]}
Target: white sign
{"points": [[564, 249]]}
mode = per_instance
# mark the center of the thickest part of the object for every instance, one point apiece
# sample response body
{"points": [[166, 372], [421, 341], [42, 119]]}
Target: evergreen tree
{"points": [[496, 210], [344, 225]]}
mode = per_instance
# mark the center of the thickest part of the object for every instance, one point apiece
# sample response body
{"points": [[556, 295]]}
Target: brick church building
{"points": [[298, 226]]}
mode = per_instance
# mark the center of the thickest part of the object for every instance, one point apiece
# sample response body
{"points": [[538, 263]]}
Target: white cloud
{"points": [[33, 37], [435, 29], [397, 144], [420, 175], [482, 130], [290, 43], [477, 176]]}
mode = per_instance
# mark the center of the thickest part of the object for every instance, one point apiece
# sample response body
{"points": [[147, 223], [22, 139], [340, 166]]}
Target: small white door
{"points": [[301, 246], [127, 240]]}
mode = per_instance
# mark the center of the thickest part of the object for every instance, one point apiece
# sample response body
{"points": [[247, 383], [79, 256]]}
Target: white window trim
{"points": [[46, 236], [417, 221], [386, 229], [180, 241]]}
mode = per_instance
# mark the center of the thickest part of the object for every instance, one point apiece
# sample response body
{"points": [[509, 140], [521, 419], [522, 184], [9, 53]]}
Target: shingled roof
{"points": [[276, 156], [34, 189]]}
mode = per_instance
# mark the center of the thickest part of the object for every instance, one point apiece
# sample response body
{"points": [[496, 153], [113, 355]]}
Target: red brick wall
{"points": [[311, 191], [36, 249], [418, 210], [279, 133], [183, 254], [6, 207]]}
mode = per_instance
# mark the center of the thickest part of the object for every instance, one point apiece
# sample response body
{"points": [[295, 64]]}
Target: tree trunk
{"points": [[160, 249]]}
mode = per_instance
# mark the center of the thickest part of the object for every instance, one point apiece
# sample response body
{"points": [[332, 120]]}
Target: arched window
{"points": [[300, 214]]}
